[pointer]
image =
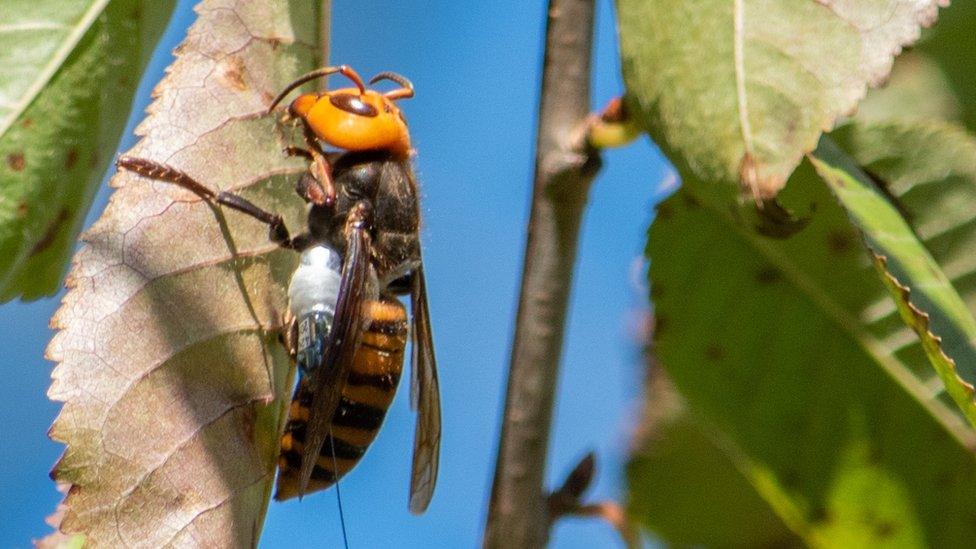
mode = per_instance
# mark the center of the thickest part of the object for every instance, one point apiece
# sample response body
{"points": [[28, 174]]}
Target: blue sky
{"points": [[476, 68]]}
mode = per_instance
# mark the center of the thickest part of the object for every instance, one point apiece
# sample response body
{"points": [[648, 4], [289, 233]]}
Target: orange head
{"points": [[354, 119]]}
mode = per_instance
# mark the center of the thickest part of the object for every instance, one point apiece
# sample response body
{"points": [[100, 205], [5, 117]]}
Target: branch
{"points": [[565, 167], [325, 35]]}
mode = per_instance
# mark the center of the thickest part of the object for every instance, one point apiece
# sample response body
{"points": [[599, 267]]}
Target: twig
{"points": [[568, 498], [567, 501], [612, 513], [518, 514], [325, 34]]}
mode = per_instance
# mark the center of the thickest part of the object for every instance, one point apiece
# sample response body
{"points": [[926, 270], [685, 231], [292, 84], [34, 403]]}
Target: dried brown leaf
{"points": [[169, 367], [57, 539]]}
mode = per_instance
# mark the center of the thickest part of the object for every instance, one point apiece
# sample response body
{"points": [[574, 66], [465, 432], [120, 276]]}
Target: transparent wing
{"points": [[426, 400]]}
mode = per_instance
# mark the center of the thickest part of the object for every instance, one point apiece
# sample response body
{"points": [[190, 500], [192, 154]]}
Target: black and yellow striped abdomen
{"points": [[367, 394]]}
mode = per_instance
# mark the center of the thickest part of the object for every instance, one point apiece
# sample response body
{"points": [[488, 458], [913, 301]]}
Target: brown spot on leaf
{"points": [[657, 291], [875, 456], [248, 418], [791, 128], [939, 437], [16, 161], [179, 499], [840, 241], [51, 233], [664, 211], [690, 201], [27, 123], [885, 529], [71, 159], [767, 275], [660, 322], [231, 72], [22, 210], [714, 352], [790, 478]]}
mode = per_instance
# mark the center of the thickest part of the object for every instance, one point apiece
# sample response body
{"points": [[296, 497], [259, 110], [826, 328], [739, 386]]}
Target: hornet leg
{"points": [[308, 186], [277, 231], [322, 170]]}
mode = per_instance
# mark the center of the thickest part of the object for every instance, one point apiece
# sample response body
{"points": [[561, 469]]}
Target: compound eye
{"points": [[352, 104]]}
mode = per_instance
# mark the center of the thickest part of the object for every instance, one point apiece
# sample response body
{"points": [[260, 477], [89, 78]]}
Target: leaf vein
{"points": [[75, 36], [740, 75]]}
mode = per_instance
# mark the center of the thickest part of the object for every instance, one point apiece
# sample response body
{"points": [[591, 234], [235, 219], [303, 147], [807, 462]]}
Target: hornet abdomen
{"points": [[367, 394]]}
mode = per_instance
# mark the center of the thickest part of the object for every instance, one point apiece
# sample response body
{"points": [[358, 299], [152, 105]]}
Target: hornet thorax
{"points": [[386, 182]]}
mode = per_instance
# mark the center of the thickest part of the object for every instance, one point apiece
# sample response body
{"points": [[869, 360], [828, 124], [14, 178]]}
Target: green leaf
{"points": [[778, 345], [930, 168], [918, 90], [36, 37], [950, 44], [934, 311], [741, 89], [705, 498], [173, 380], [68, 71]]}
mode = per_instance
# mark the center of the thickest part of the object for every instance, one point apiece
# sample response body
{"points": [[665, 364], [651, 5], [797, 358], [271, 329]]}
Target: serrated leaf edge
{"points": [[942, 413], [918, 321], [750, 170]]}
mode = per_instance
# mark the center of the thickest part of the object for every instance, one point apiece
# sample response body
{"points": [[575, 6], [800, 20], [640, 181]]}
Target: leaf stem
{"points": [[518, 514]]}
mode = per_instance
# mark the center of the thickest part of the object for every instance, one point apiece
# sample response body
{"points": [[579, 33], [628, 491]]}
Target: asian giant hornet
{"points": [[360, 250]]}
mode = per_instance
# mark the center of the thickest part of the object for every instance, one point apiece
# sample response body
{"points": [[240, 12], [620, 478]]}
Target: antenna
{"points": [[344, 70]]}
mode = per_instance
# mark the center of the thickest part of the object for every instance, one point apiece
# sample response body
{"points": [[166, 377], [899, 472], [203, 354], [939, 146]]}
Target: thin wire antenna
{"points": [[342, 516]]}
